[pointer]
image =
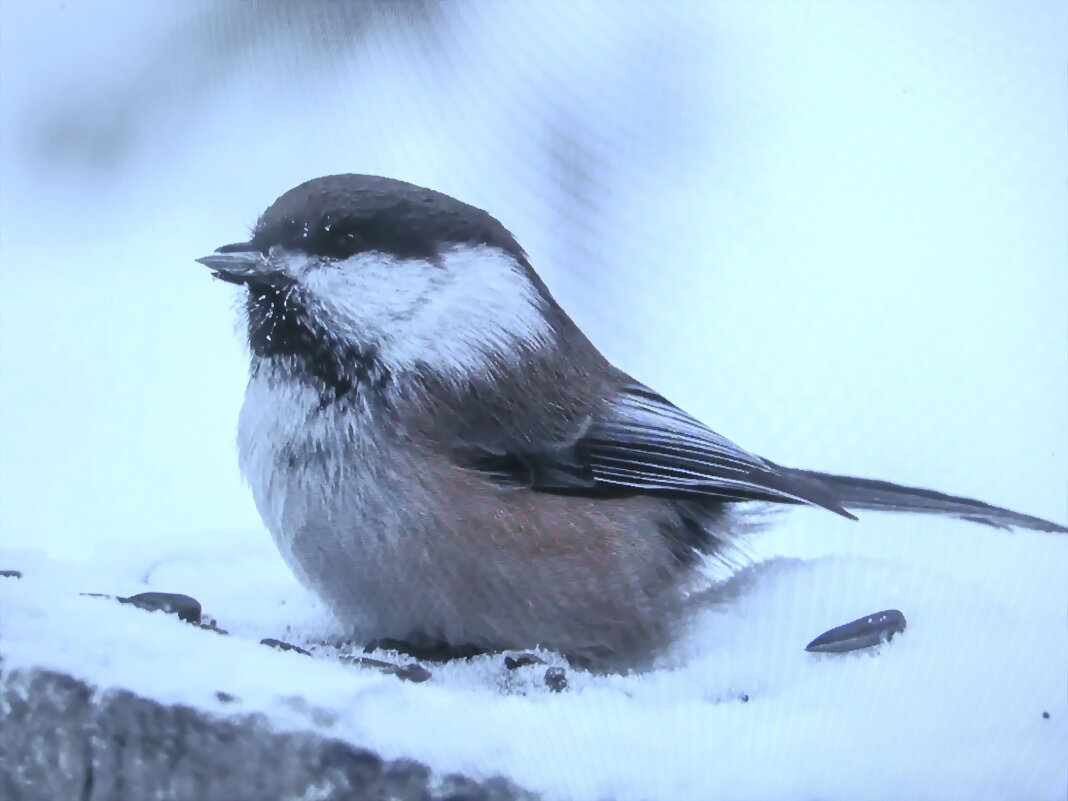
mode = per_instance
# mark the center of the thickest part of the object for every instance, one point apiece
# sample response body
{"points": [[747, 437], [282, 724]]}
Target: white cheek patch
{"points": [[473, 306]]}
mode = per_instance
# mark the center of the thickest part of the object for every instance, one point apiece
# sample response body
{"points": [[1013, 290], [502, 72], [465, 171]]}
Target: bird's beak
{"points": [[240, 264]]}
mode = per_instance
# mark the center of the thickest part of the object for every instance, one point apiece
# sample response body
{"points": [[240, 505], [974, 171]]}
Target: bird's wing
{"points": [[641, 444]]}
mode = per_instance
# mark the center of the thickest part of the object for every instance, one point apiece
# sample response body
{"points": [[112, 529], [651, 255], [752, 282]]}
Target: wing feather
{"points": [[640, 443]]}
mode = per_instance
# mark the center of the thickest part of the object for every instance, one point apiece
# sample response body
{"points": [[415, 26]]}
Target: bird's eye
{"points": [[336, 243]]}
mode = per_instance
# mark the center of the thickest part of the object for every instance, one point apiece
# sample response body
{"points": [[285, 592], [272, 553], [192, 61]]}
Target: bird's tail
{"points": [[882, 496]]}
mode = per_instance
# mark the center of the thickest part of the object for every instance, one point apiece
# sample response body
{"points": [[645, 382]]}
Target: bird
{"points": [[445, 459]]}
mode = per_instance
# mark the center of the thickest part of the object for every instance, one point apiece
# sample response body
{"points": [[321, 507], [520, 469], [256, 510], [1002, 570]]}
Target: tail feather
{"points": [[883, 496]]}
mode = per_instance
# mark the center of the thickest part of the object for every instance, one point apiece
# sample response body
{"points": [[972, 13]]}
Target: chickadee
{"points": [[443, 457]]}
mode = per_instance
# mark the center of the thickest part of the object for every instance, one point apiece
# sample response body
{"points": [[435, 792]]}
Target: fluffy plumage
{"points": [[444, 457]]}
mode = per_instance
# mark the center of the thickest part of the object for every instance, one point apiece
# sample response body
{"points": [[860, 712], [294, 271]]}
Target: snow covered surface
{"points": [[835, 232], [952, 708]]}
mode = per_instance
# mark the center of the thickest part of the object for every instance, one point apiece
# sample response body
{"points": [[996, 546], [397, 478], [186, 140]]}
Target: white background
{"points": [[833, 231]]}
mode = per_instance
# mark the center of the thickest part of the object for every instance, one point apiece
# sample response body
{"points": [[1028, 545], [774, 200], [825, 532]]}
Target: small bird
{"points": [[446, 460]]}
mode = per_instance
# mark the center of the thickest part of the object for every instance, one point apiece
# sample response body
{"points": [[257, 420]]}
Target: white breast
{"points": [[322, 481]]}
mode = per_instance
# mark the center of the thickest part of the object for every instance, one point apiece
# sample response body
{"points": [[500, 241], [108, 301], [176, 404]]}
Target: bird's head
{"points": [[350, 276]]}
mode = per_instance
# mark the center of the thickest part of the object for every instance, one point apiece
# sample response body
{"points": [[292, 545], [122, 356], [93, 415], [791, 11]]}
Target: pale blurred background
{"points": [[834, 231]]}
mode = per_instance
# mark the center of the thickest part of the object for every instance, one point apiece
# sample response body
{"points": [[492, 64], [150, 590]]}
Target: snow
{"points": [[834, 232], [952, 708]]}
